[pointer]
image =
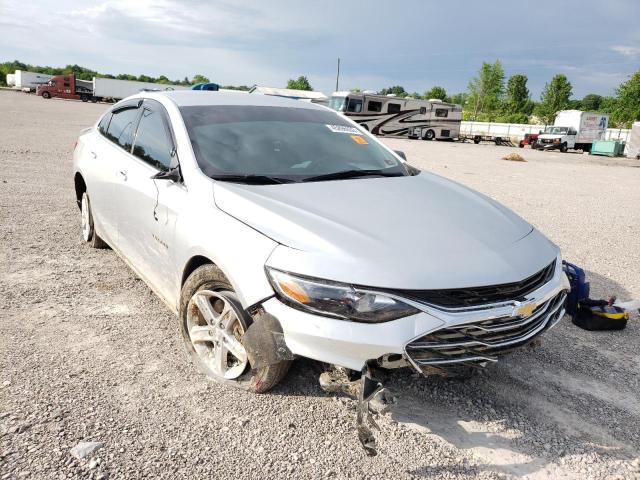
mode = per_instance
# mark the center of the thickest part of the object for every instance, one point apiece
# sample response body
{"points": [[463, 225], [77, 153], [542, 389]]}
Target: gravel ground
{"points": [[89, 354]]}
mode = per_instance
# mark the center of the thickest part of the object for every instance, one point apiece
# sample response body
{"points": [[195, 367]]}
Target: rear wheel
{"points": [[88, 229], [212, 323], [94, 99], [84, 97]]}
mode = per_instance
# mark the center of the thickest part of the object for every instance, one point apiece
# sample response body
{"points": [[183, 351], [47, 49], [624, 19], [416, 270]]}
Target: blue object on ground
{"points": [[579, 286]]}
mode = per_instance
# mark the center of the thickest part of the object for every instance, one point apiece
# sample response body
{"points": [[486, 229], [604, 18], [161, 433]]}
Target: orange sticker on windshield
{"points": [[359, 140]]}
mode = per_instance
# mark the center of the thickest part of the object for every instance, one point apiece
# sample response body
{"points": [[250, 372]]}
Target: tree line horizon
{"points": [[488, 98]]}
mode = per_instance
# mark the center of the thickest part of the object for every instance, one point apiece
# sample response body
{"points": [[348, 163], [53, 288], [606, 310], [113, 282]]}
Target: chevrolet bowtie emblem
{"points": [[524, 310]]}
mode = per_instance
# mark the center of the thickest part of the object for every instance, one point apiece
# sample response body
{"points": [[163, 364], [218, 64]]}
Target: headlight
{"points": [[556, 140], [337, 300]]}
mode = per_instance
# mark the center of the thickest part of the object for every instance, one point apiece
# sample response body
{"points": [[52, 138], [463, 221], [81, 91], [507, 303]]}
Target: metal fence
{"points": [[516, 131]]}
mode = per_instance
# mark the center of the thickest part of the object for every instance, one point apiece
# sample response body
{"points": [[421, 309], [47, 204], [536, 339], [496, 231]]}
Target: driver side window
{"points": [[153, 143]]}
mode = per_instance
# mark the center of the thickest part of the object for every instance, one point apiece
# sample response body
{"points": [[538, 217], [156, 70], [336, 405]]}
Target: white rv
{"points": [[573, 129], [400, 117]]}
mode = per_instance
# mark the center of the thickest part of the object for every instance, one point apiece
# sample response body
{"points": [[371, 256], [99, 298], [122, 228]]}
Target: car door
{"points": [[146, 224], [107, 151]]}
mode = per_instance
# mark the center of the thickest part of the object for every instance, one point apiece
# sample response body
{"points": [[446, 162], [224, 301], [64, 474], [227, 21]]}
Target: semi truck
{"points": [[98, 89], [27, 81], [400, 117], [573, 129]]}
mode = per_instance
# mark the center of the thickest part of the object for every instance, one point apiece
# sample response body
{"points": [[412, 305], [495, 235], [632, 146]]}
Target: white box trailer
{"points": [[574, 129], [110, 88], [28, 81], [633, 145], [11, 80]]}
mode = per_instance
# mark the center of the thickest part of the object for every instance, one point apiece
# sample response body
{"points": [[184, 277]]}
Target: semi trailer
{"points": [[27, 81], [98, 89]]}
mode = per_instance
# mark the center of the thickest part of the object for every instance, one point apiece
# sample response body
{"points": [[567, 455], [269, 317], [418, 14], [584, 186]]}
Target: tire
{"points": [[429, 135], [521, 145], [46, 95], [84, 97], [476, 140], [563, 148], [207, 283], [498, 141], [94, 99], [88, 230]]}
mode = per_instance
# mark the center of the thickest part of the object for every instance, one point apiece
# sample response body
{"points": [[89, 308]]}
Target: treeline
{"points": [[489, 98], [88, 74]]}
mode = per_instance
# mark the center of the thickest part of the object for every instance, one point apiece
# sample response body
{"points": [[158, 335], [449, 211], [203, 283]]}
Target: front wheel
{"points": [[564, 148], [46, 95], [212, 324], [429, 135]]}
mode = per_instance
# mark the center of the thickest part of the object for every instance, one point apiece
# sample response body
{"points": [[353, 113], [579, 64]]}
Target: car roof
{"points": [[188, 98]]}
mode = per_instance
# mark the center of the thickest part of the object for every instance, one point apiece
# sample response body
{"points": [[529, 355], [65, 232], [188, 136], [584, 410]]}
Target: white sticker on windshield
{"points": [[344, 129]]}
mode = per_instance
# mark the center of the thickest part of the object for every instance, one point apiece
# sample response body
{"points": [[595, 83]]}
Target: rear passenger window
{"points": [[153, 144], [121, 126], [441, 112], [393, 108], [104, 123]]}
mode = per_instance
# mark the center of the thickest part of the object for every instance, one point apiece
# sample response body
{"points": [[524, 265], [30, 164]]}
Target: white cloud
{"points": [[626, 50]]}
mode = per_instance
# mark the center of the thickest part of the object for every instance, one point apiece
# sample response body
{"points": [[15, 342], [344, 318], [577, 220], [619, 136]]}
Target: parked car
{"points": [[529, 139], [275, 228]]}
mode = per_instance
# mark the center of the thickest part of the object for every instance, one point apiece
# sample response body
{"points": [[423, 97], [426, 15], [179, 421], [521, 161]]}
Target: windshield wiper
{"points": [[352, 174], [252, 179]]}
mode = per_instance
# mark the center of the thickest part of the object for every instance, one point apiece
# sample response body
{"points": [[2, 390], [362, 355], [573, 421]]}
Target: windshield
{"points": [[290, 144], [338, 103], [556, 130]]}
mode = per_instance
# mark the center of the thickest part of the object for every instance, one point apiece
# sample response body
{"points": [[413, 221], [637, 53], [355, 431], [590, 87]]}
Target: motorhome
{"points": [[389, 115]]}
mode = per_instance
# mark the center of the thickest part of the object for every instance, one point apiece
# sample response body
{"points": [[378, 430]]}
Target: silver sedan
{"points": [[275, 228]]}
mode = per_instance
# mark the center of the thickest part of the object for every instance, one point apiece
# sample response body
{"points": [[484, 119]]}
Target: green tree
{"points": [[436, 92], [243, 88], [555, 97], [486, 90], [517, 96], [627, 105], [300, 83], [459, 98], [199, 79], [591, 102], [395, 90]]}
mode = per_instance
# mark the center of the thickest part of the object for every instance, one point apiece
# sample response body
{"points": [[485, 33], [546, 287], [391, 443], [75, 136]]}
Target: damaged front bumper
{"points": [[474, 335]]}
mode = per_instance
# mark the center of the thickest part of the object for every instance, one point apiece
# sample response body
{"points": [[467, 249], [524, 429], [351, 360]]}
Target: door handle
{"points": [[94, 155], [123, 173]]}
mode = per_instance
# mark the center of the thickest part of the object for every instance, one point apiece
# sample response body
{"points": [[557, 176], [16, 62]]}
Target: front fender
{"points": [[238, 250]]}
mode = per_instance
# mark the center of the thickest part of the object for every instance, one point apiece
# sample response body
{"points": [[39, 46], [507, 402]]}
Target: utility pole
{"points": [[338, 76]]}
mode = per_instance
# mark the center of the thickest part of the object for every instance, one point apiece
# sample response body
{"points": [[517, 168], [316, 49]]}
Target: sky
{"points": [[416, 44]]}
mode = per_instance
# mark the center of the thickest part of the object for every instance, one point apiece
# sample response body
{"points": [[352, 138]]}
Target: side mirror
{"points": [[401, 154], [172, 174]]}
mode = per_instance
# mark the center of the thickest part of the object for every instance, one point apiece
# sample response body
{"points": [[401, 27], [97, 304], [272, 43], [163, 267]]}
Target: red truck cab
{"points": [[67, 86]]}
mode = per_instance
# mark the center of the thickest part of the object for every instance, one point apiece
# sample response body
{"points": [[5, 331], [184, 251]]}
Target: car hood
{"points": [[417, 232], [551, 136]]}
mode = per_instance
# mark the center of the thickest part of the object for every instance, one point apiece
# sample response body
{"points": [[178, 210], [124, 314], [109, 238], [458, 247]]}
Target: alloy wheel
{"points": [[214, 331]]}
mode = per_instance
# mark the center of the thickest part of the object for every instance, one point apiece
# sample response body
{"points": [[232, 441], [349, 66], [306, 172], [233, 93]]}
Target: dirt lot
{"points": [[88, 353]]}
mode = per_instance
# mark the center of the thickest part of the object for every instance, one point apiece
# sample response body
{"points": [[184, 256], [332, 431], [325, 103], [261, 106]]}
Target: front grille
{"points": [[483, 341], [475, 296]]}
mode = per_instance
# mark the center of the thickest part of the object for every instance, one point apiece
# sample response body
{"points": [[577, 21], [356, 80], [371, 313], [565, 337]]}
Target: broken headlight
{"points": [[337, 300]]}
